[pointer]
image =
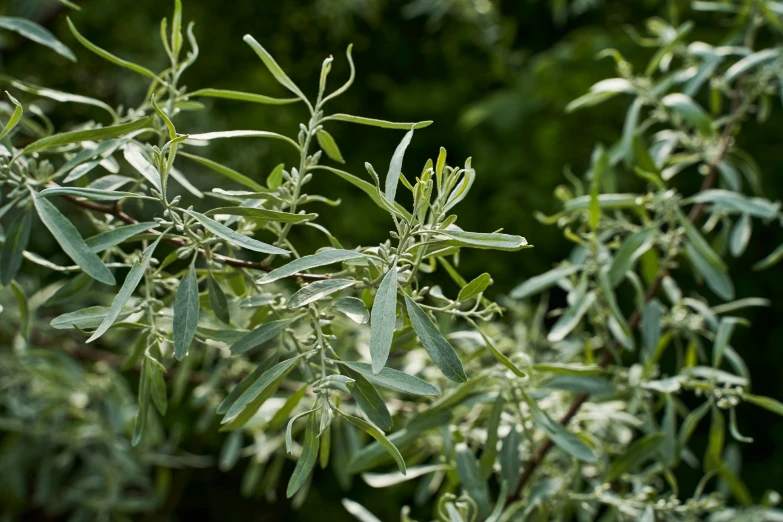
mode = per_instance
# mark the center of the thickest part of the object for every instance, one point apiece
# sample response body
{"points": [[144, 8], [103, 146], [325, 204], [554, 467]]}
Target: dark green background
{"points": [[496, 87]]}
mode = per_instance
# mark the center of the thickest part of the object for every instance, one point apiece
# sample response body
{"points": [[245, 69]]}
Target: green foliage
{"points": [[498, 411]]}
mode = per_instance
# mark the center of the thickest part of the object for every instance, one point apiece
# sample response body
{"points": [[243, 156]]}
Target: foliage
{"points": [[259, 338]]}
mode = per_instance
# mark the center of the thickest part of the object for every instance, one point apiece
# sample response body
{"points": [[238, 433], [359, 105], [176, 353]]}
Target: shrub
{"points": [[240, 324]]}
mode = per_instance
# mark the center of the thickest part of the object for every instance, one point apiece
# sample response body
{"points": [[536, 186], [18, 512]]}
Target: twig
{"points": [[117, 213], [633, 322]]}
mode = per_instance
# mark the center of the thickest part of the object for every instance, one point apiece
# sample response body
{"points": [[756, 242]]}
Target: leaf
{"points": [[470, 477], [227, 172], [395, 167], [367, 188], [95, 134], [209, 136], [353, 308], [438, 348], [500, 356], [378, 435], [490, 454], [306, 462], [568, 321], [722, 336], [134, 155], [769, 261], [589, 384], [768, 403], [493, 241], [106, 55], [256, 394], [318, 290], [235, 238], [383, 319], [636, 453], [329, 146], [217, 300], [274, 68], [186, 309], [564, 439], [358, 511], [651, 328], [88, 193], [715, 441], [242, 96], [15, 116], [385, 480], [115, 236], [157, 386], [36, 33], [71, 290], [541, 282], [324, 257], [475, 287], [690, 111], [568, 369], [733, 202], [71, 242], [260, 335], [718, 281], [369, 400], [510, 459], [632, 249], [275, 178], [378, 123], [15, 243], [262, 214], [750, 61], [131, 282], [394, 379], [63, 97], [83, 319], [230, 452], [740, 235]]}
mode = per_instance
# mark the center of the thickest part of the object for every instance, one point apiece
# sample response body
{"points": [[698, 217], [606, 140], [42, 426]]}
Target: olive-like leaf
{"points": [[36, 33], [234, 237], [318, 290], [382, 320], [438, 348], [186, 308]]}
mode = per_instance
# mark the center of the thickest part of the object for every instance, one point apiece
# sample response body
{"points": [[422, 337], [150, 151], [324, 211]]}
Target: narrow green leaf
{"points": [[235, 238], [329, 146], [63, 97], [37, 34], [15, 243], [589, 384], [251, 400], [713, 456], [378, 435], [367, 188], [242, 96], [690, 111], [771, 260], [131, 282], [768, 403], [274, 68], [209, 136], [88, 193], [275, 178], [500, 356], [354, 308], [717, 280], [369, 400], [96, 134], [475, 287], [227, 172], [438, 348], [541, 282], [740, 235], [568, 321], [157, 386], [383, 319], [470, 477], [106, 55], [323, 257], [395, 167], [115, 236], [378, 123], [186, 308], [511, 459], [71, 241], [358, 511], [642, 449], [318, 290], [218, 300], [262, 214], [260, 335], [562, 438], [83, 319], [134, 155], [494, 241], [393, 379], [15, 116], [490, 455], [306, 462], [632, 249], [651, 328]]}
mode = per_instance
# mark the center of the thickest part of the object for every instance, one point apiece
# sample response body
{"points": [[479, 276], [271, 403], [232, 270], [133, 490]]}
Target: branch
{"points": [[115, 211], [633, 322]]}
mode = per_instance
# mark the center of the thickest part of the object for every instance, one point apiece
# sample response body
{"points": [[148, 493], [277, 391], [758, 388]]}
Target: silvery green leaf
{"points": [[749, 62], [367, 188], [217, 300], [83, 319], [493, 241], [15, 116], [541, 282], [385, 480], [274, 68], [475, 287], [134, 154], [88, 193], [568, 368], [131, 282], [36, 33], [262, 214], [71, 241], [329, 146], [510, 459], [157, 386], [632, 249], [186, 309], [740, 235], [690, 111], [16, 239], [318, 290], [230, 451], [209, 136], [235, 238], [323, 257], [378, 123], [470, 477], [95, 134], [699, 244], [393, 379], [58, 95], [379, 436], [562, 438], [353, 308], [438, 348], [589, 384], [369, 400], [395, 167], [242, 96], [722, 336], [306, 461], [115, 236], [383, 319], [651, 328], [490, 453], [260, 335], [730, 201], [358, 511], [227, 172], [605, 201], [180, 178], [568, 321], [717, 280]]}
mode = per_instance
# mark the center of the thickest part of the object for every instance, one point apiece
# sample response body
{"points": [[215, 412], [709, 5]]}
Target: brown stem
{"points": [[117, 213], [633, 321]]}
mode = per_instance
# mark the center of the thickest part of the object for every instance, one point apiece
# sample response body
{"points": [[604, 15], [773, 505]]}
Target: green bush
{"points": [[249, 322]]}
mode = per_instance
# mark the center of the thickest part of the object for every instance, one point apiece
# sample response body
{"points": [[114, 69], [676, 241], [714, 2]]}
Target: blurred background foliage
{"points": [[495, 77]]}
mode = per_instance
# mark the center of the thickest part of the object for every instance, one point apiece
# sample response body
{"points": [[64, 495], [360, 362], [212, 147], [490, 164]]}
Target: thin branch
{"points": [[117, 213], [633, 322]]}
